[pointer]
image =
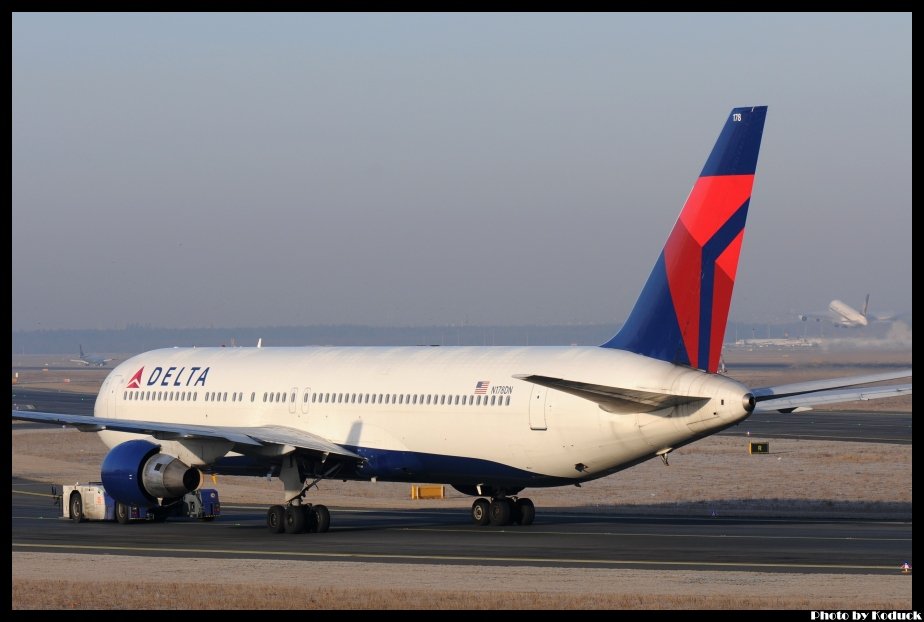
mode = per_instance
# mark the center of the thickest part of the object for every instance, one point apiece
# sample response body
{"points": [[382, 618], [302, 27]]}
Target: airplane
{"points": [[489, 421], [845, 316], [90, 360]]}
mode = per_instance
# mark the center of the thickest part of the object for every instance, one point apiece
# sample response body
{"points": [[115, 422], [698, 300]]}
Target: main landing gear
{"points": [[296, 516], [503, 511]]}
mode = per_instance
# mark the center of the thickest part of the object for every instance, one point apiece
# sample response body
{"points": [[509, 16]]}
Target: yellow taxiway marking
{"points": [[449, 558]]}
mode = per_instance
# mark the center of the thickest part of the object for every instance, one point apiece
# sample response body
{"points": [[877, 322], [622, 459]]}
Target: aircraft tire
{"points": [[500, 512], [320, 518], [480, 512], [526, 510], [294, 519], [274, 519]]}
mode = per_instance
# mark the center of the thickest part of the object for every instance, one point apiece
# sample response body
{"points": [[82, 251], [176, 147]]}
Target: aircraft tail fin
{"points": [[682, 311], [80, 347], [866, 306]]}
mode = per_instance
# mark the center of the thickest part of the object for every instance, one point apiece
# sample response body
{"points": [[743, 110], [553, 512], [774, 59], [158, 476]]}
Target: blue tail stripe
{"points": [[711, 251]]}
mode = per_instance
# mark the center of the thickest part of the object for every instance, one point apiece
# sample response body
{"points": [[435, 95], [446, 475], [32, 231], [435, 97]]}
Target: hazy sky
{"points": [[187, 170]]}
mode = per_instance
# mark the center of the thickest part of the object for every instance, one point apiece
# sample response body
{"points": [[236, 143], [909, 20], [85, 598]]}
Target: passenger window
{"points": [[493, 397], [507, 401]]}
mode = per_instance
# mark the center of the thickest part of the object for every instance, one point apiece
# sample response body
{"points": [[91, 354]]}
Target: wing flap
{"points": [[282, 435], [613, 399]]}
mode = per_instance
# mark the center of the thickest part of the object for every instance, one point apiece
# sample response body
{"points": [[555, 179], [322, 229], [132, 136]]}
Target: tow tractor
{"points": [[91, 502]]}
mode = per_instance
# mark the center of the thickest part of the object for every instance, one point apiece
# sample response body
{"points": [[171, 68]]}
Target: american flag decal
{"points": [[481, 387]]}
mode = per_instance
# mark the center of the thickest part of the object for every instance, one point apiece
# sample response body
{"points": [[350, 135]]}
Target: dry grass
{"points": [[43, 582], [172, 596]]}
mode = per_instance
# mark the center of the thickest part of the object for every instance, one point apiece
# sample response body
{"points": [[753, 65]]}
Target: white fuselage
{"points": [[847, 315], [447, 414]]}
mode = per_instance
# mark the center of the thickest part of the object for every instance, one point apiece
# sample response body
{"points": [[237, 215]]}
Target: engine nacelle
{"points": [[135, 473]]}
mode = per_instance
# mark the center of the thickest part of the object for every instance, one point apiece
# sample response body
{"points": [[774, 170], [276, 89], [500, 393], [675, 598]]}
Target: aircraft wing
{"points": [[803, 395], [81, 361], [613, 399], [252, 436]]}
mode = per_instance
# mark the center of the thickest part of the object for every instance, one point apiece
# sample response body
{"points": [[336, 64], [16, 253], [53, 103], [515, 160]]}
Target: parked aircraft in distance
{"points": [[91, 360], [489, 421], [845, 316]]}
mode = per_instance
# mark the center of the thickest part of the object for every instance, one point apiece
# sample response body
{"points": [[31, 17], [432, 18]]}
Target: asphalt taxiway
{"points": [[569, 538]]}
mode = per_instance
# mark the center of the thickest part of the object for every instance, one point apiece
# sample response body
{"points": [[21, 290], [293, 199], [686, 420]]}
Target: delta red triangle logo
{"points": [[135, 382]]}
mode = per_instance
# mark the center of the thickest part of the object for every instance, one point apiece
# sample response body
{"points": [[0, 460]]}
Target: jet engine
{"points": [[136, 473]]}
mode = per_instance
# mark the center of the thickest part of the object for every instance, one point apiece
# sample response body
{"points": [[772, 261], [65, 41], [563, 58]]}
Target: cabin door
{"points": [[537, 408]]}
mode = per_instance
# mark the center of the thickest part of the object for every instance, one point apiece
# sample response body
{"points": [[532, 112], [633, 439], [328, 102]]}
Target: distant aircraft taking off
{"points": [[843, 315], [847, 315], [489, 421], [90, 360]]}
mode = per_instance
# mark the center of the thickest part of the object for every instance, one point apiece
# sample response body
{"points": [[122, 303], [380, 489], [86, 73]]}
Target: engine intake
{"points": [[135, 473]]}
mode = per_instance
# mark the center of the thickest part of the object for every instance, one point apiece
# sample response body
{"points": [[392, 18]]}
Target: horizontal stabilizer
{"points": [[797, 388], [834, 396], [804, 395], [613, 399]]}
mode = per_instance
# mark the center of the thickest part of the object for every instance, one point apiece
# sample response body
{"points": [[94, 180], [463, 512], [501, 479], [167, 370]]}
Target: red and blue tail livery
{"points": [[681, 314]]}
